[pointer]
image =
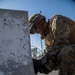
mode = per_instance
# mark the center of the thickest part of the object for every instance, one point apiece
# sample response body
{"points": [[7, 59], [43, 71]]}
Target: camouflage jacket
{"points": [[61, 31]]}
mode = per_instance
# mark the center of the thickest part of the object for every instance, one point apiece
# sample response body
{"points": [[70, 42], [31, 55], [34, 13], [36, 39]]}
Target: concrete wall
{"points": [[15, 54]]}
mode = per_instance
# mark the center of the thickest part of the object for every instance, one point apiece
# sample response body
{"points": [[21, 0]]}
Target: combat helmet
{"points": [[33, 20]]}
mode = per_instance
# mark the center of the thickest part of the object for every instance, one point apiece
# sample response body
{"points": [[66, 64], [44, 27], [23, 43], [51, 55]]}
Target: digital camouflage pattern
{"points": [[33, 20], [60, 48], [61, 31], [60, 45], [66, 60]]}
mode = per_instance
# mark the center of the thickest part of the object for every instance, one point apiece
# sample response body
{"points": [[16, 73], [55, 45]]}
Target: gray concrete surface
{"points": [[15, 55]]}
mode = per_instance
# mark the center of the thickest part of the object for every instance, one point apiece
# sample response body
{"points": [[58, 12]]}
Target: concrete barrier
{"points": [[15, 54]]}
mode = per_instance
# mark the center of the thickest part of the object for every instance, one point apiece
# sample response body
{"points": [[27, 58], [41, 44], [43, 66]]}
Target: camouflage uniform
{"points": [[59, 42], [59, 51]]}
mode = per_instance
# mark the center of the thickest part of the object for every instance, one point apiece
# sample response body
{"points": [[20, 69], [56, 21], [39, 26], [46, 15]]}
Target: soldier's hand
{"points": [[39, 67], [37, 64], [44, 70]]}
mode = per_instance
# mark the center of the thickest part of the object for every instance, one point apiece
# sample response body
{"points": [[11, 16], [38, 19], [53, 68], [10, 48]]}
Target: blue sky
{"points": [[48, 8]]}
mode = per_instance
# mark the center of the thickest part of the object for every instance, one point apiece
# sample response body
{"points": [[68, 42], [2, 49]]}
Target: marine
{"points": [[59, 38]]}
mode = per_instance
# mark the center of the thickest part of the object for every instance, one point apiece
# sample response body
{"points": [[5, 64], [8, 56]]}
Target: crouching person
{"points": [[59, 36]]}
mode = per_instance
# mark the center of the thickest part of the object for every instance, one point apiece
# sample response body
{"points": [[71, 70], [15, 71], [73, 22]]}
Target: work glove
{"points": [[36, 64], [43, 69], [39, 67]]}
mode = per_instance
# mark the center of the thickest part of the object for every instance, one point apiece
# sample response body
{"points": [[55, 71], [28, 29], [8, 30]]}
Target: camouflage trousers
{"points": [[66, 60], [62, 60]]}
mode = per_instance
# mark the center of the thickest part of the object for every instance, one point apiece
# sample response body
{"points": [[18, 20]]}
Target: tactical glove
{"points": [[39, 67], [43, 69], [36, 64]]}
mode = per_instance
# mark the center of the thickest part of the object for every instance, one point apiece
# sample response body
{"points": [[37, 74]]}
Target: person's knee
{"points": [[66, 55], [65, 51]]}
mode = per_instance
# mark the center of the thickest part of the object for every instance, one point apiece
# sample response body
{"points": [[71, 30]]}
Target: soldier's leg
{"points": [[66, 60]]}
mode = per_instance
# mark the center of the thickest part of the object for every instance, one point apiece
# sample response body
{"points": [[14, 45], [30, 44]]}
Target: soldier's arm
{"points": [[46, 64], [60, 26]]}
